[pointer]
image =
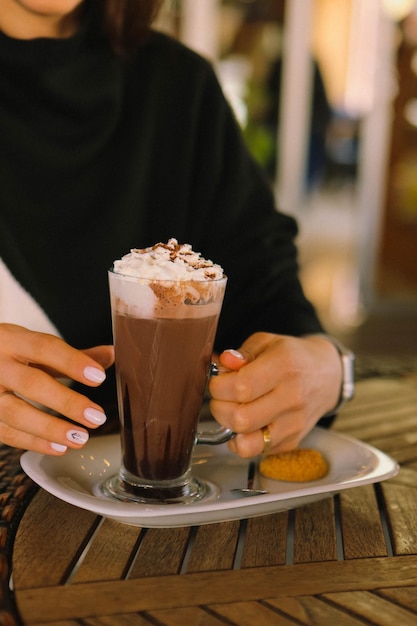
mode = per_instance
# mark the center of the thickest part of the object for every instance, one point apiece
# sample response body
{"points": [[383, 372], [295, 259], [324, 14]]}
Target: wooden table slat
{"points": [[366, 605], [266, 540], [315, 532], [361, 523], [251, 614], [35, 545], [214, 547], [148, 594], [407, 476], [311, 610], [191, 616], [109, 554], [381, 430], [115, 620], [406, 596], [402, 447], [360, 413], [401, 503], [60, 623], [161, 552]]}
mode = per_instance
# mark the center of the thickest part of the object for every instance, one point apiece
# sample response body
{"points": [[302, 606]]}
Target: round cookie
{"points": [[299, 465]]}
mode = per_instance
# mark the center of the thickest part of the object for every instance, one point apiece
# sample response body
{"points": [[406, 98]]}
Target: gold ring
{"points": [[267, 439]]}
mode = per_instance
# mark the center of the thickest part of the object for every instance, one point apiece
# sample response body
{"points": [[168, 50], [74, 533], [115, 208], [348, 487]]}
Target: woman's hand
{"points": [[284, 383], [30, 363]]}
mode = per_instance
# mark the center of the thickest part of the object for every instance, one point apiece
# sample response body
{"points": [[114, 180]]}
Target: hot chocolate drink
{"points": [[161, 393], [166, 301]]}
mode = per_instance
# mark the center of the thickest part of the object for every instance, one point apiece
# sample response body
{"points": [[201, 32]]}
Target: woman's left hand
{"points": [[282, 382]]}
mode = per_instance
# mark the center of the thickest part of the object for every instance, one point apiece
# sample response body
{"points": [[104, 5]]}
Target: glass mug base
{"points": [[186, 490]]}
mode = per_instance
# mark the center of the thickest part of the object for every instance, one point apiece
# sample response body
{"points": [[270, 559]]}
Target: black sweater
{"points": [[100, 154]]}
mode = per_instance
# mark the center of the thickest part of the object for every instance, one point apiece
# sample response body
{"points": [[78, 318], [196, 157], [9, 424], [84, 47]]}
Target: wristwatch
{"points": [[347, 390]]}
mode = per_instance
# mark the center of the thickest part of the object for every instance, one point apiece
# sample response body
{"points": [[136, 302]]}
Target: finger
{"points": [[104, 355], [232, 359], [101, 354], [247, 446], [24, 441], [250, 417], [40, 388], [253, 444], [49, 351], [255, 376], [256, 344], [285, 415], [22, 425], [245, 385]]}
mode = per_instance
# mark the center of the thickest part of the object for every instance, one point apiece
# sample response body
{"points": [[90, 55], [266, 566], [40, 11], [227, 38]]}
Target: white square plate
{"points": [[76, 478]]}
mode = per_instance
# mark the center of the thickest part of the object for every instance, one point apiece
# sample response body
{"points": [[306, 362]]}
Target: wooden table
{"points": [[349, 559]]}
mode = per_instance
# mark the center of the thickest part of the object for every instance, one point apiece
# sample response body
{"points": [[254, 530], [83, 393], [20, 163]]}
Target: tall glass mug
{"points": [[163, 336]]}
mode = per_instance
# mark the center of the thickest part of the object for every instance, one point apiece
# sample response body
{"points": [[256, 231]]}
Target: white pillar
{"points": [[295, 104], [375, 140], [199, 26]]}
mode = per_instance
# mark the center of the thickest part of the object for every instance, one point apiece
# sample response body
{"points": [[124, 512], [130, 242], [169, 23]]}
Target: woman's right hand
{"points": [[30, 363]]}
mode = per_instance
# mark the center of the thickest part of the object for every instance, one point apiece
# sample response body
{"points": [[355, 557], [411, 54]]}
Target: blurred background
{"points": [[326, 94]]}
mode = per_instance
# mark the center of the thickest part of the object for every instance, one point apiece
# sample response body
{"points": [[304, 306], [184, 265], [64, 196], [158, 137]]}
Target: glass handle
{"points": [[221, 434]]}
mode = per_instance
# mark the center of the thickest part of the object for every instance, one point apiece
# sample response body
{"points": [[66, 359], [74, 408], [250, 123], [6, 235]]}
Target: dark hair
{"points": [[127, 22]]}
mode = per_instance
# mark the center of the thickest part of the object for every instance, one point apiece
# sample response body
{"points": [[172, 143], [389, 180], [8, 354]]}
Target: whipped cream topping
{"points": [[168, 261]]}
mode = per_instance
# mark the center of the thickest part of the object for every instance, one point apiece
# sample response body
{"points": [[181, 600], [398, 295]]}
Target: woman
{"points": [[114, 137]]}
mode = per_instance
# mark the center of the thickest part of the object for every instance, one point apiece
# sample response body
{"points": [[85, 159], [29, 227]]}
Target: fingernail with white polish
{"points": [[58, 447], [94, 374], [95, 417], [235, 353], [77, 436]]}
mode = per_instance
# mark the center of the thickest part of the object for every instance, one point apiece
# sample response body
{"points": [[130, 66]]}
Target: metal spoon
{"points": [[246, 491], [249, 490]]}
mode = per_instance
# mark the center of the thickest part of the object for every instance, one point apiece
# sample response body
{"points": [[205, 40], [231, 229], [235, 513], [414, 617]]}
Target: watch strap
{"points": [[347, 389]]}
